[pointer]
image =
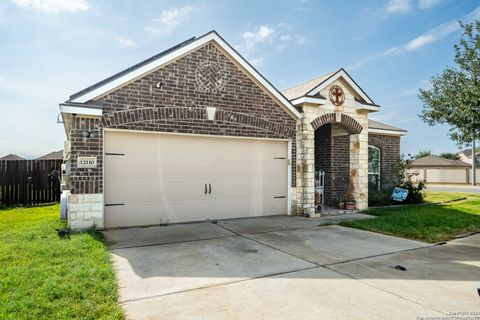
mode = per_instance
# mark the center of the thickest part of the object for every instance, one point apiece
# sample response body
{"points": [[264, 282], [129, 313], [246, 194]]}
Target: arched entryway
{"points": [[332, 157]]}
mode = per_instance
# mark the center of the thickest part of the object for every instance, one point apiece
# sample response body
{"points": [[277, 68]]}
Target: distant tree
{"points": [[454, 97], [450, 155], [423, 153]]}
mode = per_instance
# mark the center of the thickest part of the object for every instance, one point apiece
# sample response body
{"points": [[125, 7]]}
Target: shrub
{"points": [[406, 180], [402, 179]]}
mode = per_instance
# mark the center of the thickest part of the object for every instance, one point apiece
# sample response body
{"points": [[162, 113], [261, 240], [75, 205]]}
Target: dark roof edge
{"points": [[358, 85], [134, 67]]}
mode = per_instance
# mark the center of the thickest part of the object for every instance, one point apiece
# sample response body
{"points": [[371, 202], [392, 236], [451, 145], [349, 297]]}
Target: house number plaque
{"points": [[86, 162]]}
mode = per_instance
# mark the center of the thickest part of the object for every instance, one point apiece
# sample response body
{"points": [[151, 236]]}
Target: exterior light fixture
{"points": [[86, 135]]}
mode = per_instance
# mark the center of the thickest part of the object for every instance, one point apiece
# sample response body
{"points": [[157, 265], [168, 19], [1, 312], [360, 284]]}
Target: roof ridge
{"points": [[312, 79]]}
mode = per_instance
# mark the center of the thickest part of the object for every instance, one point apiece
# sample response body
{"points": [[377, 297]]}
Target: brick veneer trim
{"points": [[350, 124]]}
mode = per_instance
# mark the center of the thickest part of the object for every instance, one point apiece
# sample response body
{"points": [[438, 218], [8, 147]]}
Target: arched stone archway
{"points": [[348, 123], [348, 164]]}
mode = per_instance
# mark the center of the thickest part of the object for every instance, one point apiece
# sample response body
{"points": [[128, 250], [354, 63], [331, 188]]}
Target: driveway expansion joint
{"points": [[271, 247], [219, 284], [383, 290]]}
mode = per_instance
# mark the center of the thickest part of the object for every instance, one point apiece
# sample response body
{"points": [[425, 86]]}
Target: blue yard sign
{"points": [[399, 194]]}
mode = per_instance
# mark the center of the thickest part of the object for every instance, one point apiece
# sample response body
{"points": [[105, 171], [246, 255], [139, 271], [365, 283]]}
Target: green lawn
{"points": [[432, 196], [44, 277], [430, 223]]}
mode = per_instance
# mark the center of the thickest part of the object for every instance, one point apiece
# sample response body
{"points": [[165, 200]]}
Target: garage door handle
{"points": [[205, 188], [209, 188]]}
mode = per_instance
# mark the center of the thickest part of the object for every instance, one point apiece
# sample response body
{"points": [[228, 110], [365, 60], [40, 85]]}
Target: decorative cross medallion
{"points": [[336, 95]]}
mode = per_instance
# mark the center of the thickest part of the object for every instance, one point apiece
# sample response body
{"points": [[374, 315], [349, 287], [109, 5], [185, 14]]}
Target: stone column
{"points": [[305, 167], [359, 168]]}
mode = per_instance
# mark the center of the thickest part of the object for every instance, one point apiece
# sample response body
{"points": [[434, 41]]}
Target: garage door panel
{"points": [[163, 177]]}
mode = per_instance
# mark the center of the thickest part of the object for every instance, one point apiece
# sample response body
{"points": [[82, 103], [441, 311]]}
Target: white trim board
{"points": [[212, 36], [305, 99], [348, 79], [387, 132], [81, 110]]}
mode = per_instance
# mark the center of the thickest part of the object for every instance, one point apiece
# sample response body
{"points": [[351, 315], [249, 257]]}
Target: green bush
{"points": [[402, 179]]}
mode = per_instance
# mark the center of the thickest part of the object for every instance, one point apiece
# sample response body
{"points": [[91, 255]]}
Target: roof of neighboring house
{"points": [[468, 152], [436, 161], [55, 155], [372, 124], [11, 157]]}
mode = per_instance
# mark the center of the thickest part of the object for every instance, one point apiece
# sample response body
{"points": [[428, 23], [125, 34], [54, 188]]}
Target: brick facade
{"points": [[332, 155], [389, 154], [171, 99]]}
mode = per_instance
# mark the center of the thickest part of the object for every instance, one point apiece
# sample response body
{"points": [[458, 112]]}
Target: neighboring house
{"points": [[196, 133], [434, 169], [55, 155], [466, 155], [11, 157]]}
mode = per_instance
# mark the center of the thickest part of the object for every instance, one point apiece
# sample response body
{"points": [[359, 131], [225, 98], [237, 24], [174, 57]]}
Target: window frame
{"points": [[379, 164]]}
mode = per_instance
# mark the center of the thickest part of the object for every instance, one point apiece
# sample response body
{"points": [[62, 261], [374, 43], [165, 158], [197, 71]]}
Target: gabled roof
{"points": [[435, 161], [11, 156], [301, 89], [468, 152], [372, 124], [55, 155], [140, 69], [313, 86]]}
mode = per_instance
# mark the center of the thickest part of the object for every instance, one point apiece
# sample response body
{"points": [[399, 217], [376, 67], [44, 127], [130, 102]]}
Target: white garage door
{"points": [[447, 175], [164, 178]]}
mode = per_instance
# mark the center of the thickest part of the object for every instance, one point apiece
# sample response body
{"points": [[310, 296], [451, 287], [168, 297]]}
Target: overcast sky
{"points": [[50, 49]]}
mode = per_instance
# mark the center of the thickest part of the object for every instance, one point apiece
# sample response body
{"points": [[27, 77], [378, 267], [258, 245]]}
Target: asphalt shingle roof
{"points": [[302, 89], [382, 126], [436, 161], [11, 157], [55, 155]]}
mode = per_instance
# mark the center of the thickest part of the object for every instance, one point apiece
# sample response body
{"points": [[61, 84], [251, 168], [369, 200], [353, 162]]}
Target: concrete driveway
{"points": [[289, 267]]}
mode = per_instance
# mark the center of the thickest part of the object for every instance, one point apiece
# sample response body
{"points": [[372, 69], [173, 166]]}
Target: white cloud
{"points": [[262, 34], [427, 4], [2, 78], [258, 43], [53, 6], [126, 42], [170, 19], [428, 38], [398, 7]]}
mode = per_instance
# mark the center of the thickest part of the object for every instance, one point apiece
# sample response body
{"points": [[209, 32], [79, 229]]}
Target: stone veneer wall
{"points": [[358, 150], [85, 211], [389, 155]]}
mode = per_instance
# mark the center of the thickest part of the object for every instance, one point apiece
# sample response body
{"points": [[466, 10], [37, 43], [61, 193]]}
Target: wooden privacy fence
{"points": [[29, 181]]}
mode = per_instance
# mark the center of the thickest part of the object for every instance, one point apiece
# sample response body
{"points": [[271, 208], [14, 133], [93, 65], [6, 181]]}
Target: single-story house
{"points": [[196, 133], [466, 155], [54, 155], [11, 156], [434, 169]]}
